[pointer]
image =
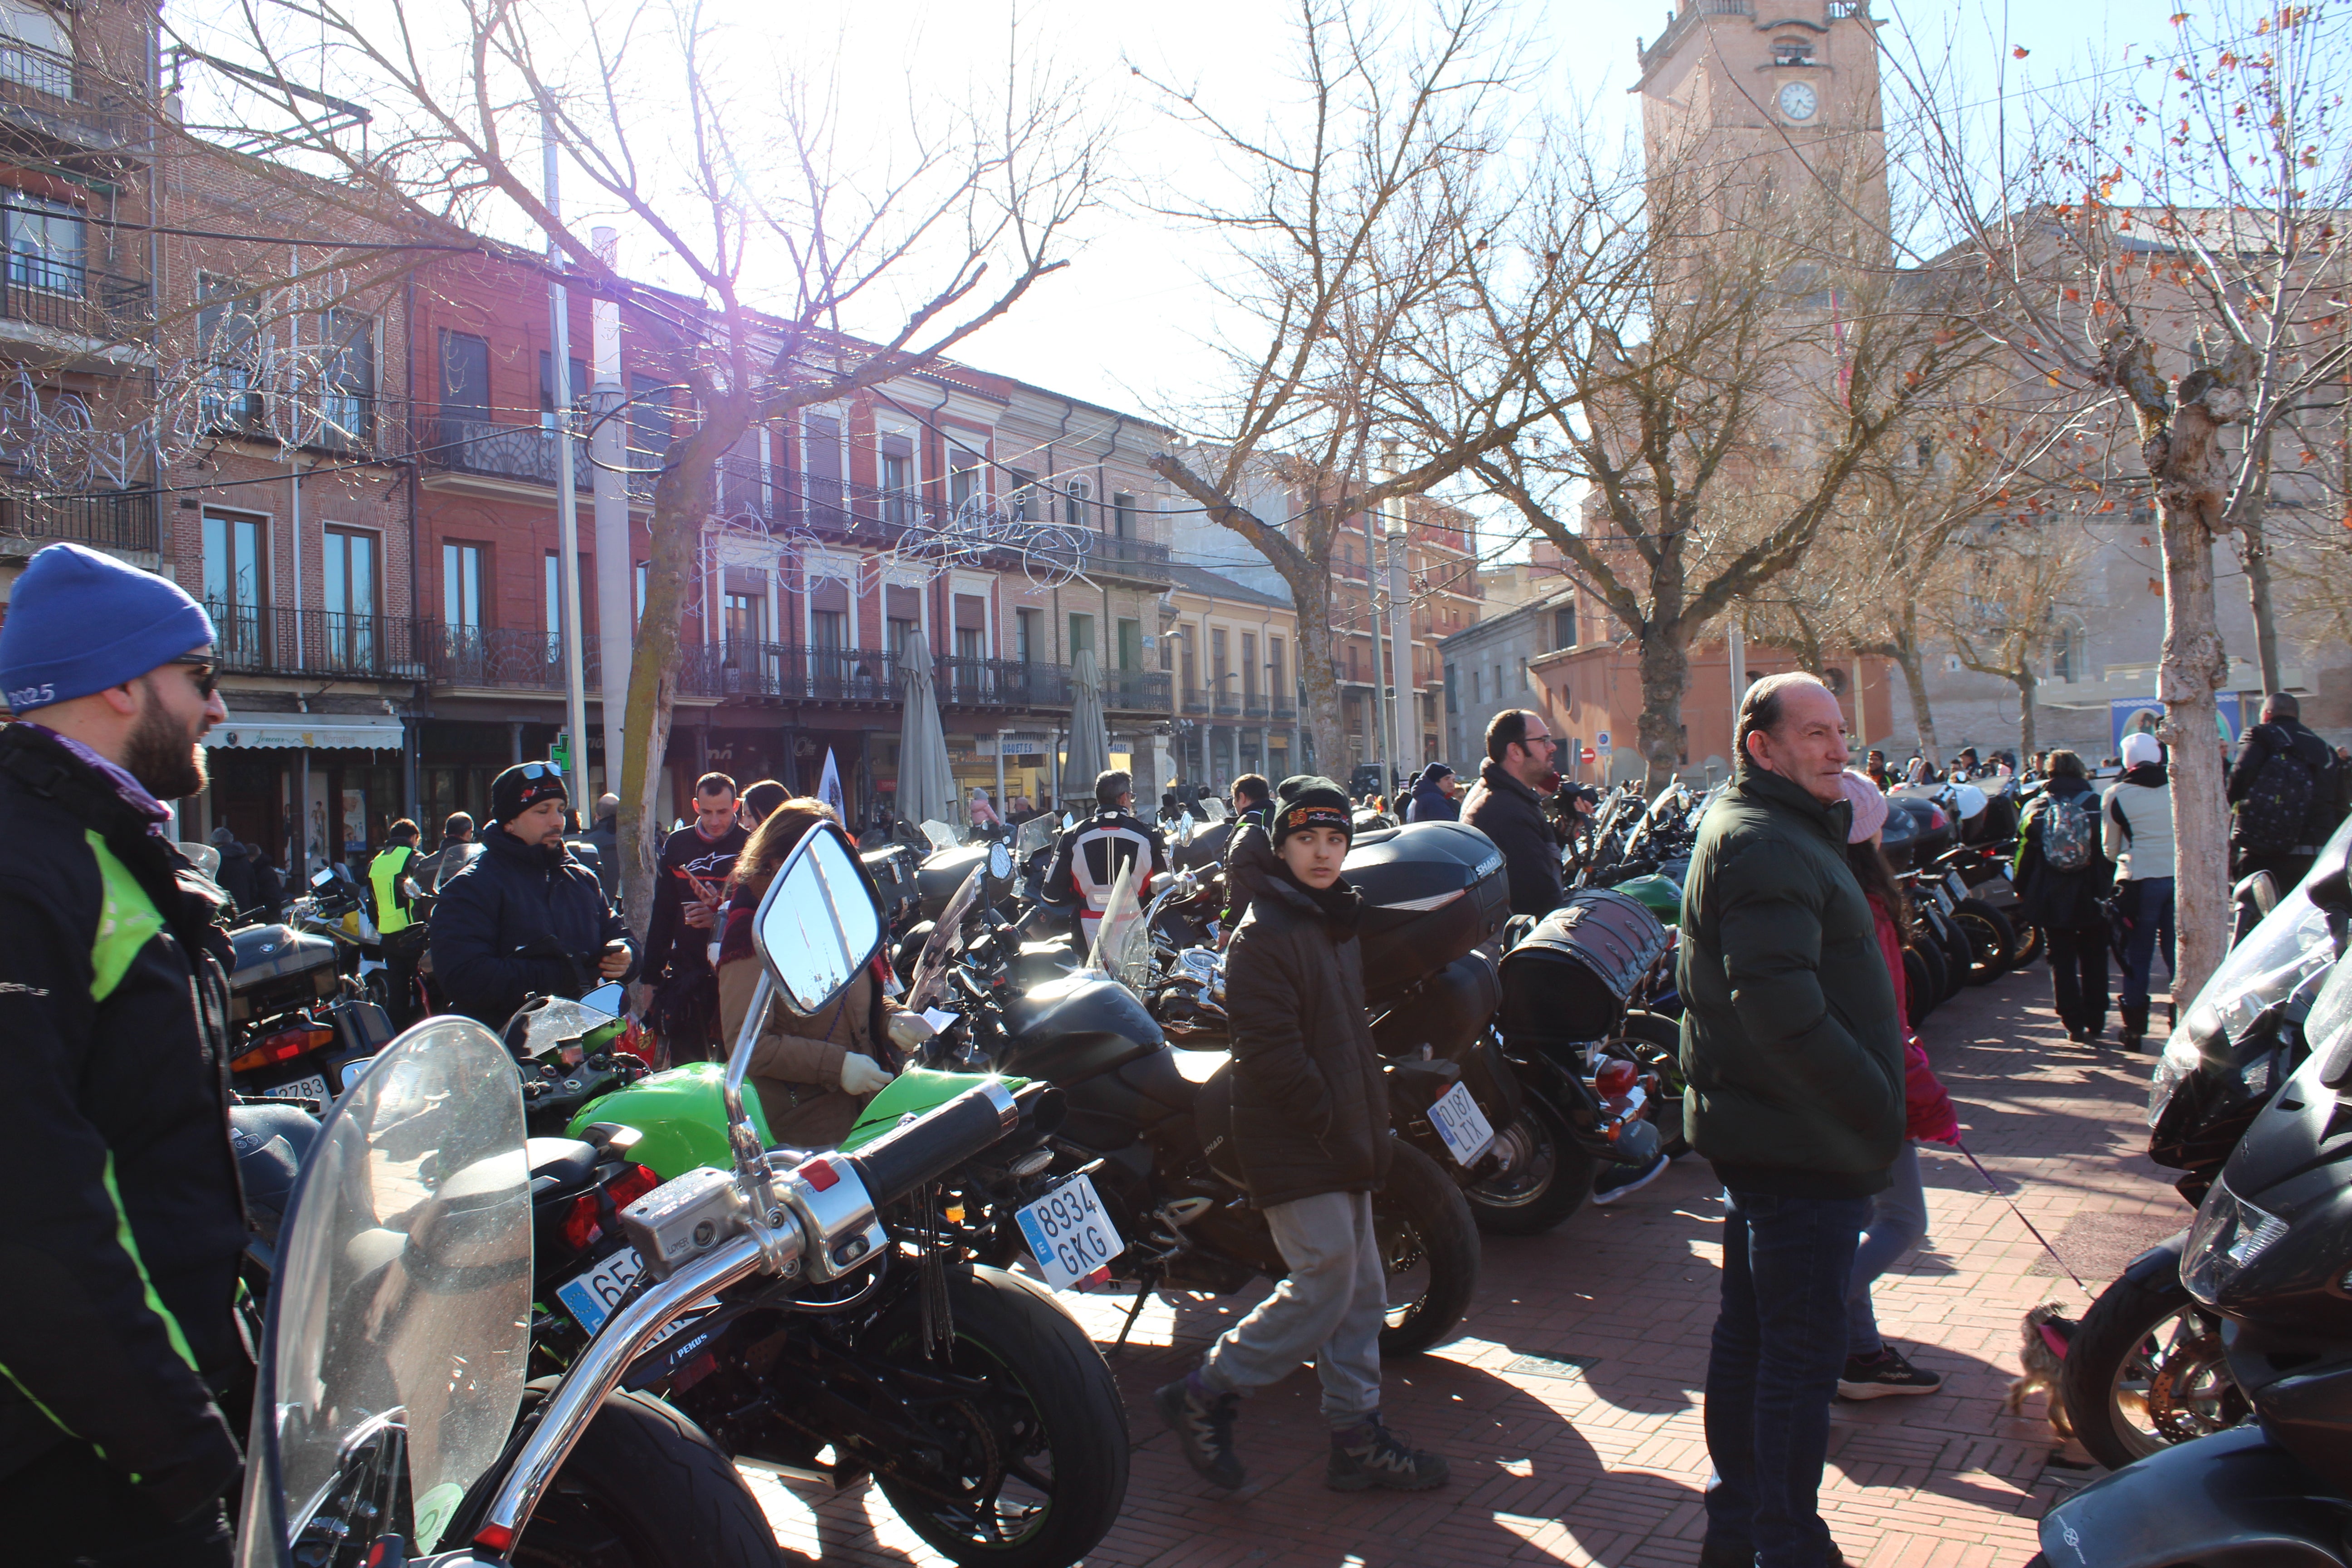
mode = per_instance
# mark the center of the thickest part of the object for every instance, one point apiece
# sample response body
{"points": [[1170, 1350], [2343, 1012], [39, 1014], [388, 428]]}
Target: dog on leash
{"points": [[2047, 1335]]}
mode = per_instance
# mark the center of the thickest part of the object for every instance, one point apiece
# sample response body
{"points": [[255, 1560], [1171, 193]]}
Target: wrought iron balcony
{"points": [[1253, 705], [60, 97], [788, 672], [66, 297], [1195, 700], [120, 520], [966, 682], [507, 659], [1137, 690], [273, 639]]}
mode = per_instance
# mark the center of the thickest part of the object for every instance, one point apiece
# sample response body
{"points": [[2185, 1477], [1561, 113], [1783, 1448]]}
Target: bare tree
{"points": [[2165, 245], [791, 223], [2015, 580], [1353, 229]]}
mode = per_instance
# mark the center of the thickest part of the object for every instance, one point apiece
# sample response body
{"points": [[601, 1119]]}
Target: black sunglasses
{"points": [[541, 771], [206, 673]]}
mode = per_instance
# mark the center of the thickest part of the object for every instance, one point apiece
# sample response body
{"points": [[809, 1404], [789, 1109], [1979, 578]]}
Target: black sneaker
{"points": [[1875, 1377], [1371, 1456], [1204, 1431], [1617, 1180]]}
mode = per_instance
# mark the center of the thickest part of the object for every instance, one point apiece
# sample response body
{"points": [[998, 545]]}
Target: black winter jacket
{"points": [[2271, 738], [2062, 901], [120, 1242], [1790, 1040], [515, 895], [1311, 1111], [1510, 814], [672, 946], [235, 877]]}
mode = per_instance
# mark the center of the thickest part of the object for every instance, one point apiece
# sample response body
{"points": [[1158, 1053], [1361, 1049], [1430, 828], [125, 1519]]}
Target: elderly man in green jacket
{"points": [[1794, 1055]]}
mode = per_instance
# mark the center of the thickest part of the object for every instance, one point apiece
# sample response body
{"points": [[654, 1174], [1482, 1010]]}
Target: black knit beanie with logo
{"points": [[1306, 801]]}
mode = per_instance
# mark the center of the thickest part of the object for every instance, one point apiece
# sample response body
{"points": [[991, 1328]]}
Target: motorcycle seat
{"points": [[559, 1167], [1169, 1080]]}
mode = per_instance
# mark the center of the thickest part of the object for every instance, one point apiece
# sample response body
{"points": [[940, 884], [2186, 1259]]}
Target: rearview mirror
{"points": [[818, 923], [999, 862]]}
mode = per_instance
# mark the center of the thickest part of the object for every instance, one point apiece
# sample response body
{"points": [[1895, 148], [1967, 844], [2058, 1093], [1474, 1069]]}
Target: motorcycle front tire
{"points": [[1992, 941], [1553, 1184], [646, 1488], [2126, 1313], [1420, 1214]]}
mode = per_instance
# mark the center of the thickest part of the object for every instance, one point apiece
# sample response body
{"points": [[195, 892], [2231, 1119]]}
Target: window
{"points": [[580, 388], [234, 586], [1249, 666], [46, 243], [820, 463], [465, 377], [1563, 626], [964, 486], [228, 340], [1122, 516], [829, 629], [902, 610], [1074, 512], [1453, 697], [554, 595], [461, 585], [347, 406], [1474, 698], [1219, 670], [649, 427], [641, 593], [971, 612], [349, 571], [897, 474], [1793, 51], [1028, 635], [1274, 681], [1025, 496], [36, 49], [1082, 634], [1192, 640], [746, 622]]}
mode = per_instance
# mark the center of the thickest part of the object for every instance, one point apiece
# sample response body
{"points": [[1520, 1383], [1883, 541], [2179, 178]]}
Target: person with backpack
{"points": [[2286, 791], [2135, 833], [2061, 877]]}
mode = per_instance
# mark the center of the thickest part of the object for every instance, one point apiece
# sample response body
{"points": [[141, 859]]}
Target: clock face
{"points": [[1797, 101]]}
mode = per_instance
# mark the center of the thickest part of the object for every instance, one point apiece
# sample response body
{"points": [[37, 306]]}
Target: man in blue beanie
{"points": [[120, 1246]]}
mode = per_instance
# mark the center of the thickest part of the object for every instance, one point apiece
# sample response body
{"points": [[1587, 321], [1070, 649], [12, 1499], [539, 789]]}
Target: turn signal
{"points": [[1615, 1079]]}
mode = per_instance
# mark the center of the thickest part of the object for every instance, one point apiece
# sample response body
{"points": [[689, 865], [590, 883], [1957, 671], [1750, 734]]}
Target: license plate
{"points": [[1461, 1124], [1068, 1233], [591, 1297], [311, 1088], [1955, 886]]}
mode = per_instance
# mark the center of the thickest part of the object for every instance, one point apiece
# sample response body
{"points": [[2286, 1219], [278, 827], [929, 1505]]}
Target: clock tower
{"points": [[1767, 111]]}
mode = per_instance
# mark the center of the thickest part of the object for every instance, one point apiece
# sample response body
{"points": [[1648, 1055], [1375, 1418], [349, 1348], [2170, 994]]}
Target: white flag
{"points": [[828, 788]]}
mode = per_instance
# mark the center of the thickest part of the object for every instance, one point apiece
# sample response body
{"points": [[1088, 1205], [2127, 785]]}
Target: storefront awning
{"points": [[306, 732]]}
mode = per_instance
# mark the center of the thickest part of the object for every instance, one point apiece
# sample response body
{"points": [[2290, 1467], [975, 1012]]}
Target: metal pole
{"points": [[567, 502], [1407, 718], [1000, 772], [1376, 730], [1738, 653], [616, 625]]}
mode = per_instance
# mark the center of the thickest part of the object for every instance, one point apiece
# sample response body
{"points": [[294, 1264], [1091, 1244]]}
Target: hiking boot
{"points": [[1875, 1377], [1204, 1425], [1617, 1180], [2078, 1035], [1370, 1455]]}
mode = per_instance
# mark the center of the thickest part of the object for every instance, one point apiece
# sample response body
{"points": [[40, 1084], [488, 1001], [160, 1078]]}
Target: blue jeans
{"points": [[1780, 1346], [1898, 1221], [2146, 903]]}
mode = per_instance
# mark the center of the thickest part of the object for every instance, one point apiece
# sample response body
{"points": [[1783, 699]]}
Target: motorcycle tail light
{"points": [[1937, 820], [1615, 1077], [631, 1184], [282, 1046], [582, 1223]]}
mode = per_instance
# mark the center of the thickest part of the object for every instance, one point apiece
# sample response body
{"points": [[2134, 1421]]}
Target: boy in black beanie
{"points": [[1310, 1128]]}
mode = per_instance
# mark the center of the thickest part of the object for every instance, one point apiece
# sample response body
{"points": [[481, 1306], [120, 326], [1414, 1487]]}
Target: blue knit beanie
{"points": [[79, 621]]}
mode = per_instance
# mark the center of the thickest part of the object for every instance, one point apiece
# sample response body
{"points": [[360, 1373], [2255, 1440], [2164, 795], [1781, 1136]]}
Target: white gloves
{"points": [[908, 1030], [862, 1075]]}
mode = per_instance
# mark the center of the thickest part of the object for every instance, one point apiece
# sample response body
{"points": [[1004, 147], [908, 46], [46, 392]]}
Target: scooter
{"points": [[2266, 1257]]}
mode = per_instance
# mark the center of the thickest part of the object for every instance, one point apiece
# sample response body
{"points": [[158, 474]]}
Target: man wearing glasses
{"points": [[121, 1244], [1506, 805]]}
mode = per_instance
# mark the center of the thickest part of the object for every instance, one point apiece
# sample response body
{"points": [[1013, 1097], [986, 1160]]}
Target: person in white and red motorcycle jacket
{"points": [[1094, 852], [125, 1373]]}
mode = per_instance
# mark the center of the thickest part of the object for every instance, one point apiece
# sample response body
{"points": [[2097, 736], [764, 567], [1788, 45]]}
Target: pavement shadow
{"points": [[1522, 1477]]}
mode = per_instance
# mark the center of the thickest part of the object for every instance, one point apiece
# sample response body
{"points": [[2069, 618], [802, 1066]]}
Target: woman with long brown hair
{"points": [[815, 1074]]}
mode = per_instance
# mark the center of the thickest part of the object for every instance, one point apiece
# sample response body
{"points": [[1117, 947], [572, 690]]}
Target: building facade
{"points": [[1231, 650]]}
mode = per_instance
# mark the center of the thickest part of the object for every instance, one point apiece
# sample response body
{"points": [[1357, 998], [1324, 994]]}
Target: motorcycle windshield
{"points": [[557, 1022], [941, 836], [398, 1332], [1034, 834], [929, 988], [1122, 948]]}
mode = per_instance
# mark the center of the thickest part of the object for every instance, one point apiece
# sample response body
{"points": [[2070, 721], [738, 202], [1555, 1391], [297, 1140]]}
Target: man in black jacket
{"points": [[1310, 1132], [688, 884], [2279, 760], [525, 919], [235, 877], [2060, 877], [1506, 805], [1794, 1057], [120, 1239], [1087, 864]]}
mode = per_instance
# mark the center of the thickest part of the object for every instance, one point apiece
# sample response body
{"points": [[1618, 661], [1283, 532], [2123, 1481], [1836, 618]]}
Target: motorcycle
{"points": [[2145, 1368], [2266, 1259], [394, 1420], [1140, 1149]]}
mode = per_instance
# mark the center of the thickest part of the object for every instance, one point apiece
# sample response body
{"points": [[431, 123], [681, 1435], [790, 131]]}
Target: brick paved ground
{"points": [[1570, 1406]]}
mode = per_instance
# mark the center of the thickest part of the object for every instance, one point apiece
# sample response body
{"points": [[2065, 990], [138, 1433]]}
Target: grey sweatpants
{"points": [[1330, 1308]]}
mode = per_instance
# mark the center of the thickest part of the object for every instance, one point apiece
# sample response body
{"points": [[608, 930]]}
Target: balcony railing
{"points": [[1195, 700], [272, 639], [1253, 705], [120, 520], [1137, 690], [511, 659], [67, 297], [1228, 706], [966, 682], [1281, 715], [65, 98]]}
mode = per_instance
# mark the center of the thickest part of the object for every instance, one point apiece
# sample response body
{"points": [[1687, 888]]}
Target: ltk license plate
{"points": [[591, 1297], [1068, 1233], [1461, 1124]]}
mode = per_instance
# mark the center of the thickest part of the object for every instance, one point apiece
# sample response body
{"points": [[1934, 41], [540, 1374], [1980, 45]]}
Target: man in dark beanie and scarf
{"points": [[1309, 1129], [524, 918]]}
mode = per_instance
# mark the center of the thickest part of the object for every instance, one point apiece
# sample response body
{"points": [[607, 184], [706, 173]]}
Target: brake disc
{"points": [[2185, 1395]]}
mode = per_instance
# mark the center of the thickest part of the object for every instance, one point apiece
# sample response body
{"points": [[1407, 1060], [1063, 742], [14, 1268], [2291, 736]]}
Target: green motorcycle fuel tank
{"points": [[680, 1115]]}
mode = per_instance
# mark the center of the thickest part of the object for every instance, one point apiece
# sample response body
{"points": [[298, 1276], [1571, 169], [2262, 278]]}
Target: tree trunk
{"points": [[2255, 552], [1665, 674], [1915, 680], [2191, 473], [2026, 691], [1320, 713]]}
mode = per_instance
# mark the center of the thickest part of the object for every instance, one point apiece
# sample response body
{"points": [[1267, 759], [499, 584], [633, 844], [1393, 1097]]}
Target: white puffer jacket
{"points": [[2143, 849]]}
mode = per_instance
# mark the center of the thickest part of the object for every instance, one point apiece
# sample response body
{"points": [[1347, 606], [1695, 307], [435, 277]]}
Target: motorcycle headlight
{"points": [[2229, 1234]]}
